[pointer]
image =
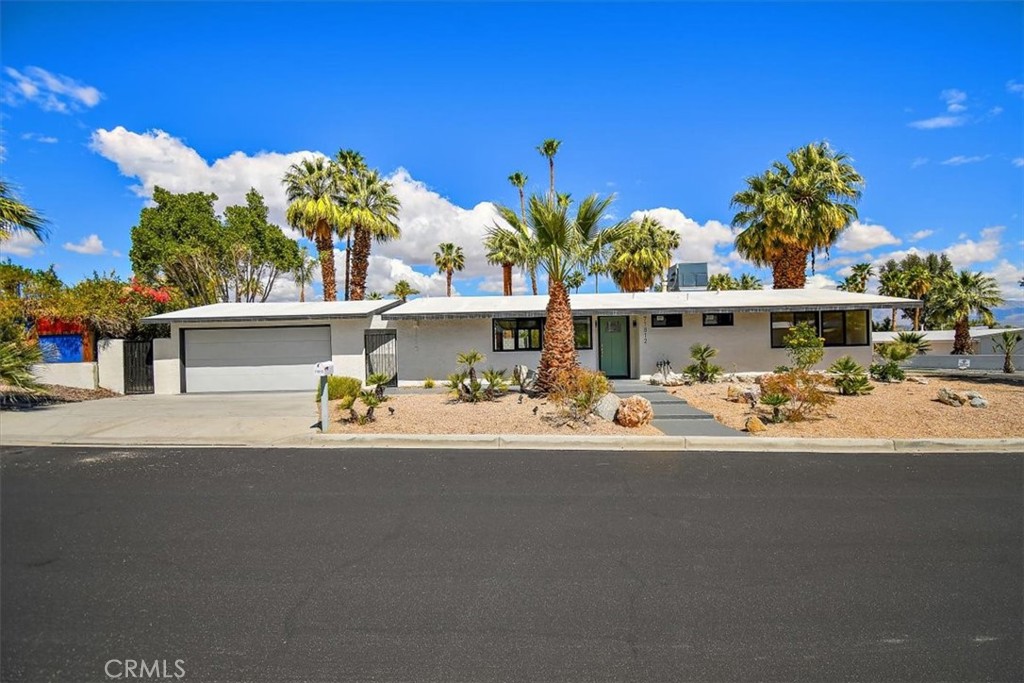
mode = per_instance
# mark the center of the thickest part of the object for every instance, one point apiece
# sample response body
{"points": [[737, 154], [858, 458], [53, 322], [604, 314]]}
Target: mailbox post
{"points": [[323, 370]]}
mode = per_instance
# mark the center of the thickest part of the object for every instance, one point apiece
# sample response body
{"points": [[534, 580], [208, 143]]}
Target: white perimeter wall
{"points": [[78, 375], [110, 364]]}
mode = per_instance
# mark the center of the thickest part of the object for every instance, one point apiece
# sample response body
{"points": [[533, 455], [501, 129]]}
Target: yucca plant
{"points": [[850, 377], [702, 369], [1006, 343]]}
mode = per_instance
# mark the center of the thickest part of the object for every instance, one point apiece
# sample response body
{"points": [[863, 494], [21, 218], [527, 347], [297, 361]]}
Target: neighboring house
{"points": [[273, 346], [942, 340]]}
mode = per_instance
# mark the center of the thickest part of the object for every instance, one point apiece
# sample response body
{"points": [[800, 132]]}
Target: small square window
{"points": [[667, 320], [717, 320]]}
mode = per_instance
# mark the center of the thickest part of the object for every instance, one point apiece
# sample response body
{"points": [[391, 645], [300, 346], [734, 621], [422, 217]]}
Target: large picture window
{"points": [[527, 334], [781, 322], [837, 328]]}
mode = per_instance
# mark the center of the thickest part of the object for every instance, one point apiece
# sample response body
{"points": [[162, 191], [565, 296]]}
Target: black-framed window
{"points": [[837, 328], [717, 319], [781, 322], [527, 334], [583, 332], [667, 320]]}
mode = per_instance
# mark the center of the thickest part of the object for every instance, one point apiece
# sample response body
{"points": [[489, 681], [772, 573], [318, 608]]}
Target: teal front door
{"points": [[613, 342]]}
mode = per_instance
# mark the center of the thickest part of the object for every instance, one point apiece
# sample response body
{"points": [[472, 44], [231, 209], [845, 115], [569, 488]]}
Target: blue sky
{"points": [[668, 105]]}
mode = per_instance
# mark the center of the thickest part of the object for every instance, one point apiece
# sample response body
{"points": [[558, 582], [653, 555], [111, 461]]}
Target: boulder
{"points": [[752, 394], [607, 407], [635, 411], [972, 394], [525, 377], [734, 394], [951, 398], [979, 402], [754, 425], [919, 380], [668, 379]]}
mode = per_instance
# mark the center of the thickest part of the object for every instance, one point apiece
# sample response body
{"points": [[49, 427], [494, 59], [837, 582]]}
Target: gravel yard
{"points": [[892, 411], [13, 397], [435, 413]]}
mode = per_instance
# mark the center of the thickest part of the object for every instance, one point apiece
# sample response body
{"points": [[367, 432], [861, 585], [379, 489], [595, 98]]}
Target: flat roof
{"points": [[944, 335], [274, 310], [643, 302]]}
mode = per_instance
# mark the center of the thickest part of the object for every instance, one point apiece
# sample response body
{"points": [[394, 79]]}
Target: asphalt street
{"points": [[319, 565]]}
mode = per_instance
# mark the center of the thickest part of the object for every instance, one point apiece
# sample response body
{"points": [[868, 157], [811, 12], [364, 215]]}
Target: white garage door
{"points": [[255, 359]]}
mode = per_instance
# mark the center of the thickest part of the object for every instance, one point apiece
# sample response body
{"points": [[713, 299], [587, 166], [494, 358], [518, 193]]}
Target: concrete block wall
{"points": [[78, 375], [110, 364]]}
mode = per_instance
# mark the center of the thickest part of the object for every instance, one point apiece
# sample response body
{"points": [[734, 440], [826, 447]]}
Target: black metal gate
{"points": [[382, 354], [138, 367]]}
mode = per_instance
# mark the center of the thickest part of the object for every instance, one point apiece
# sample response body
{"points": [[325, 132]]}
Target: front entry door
{"points": [[613, 342]]}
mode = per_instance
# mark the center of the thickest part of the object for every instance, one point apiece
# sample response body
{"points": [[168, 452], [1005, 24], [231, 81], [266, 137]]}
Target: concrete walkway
{"points": [[673, 415]]}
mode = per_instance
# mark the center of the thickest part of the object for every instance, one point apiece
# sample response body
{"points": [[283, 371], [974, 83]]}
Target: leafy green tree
{"points": [[449, 258], [312, 187], [16, 216], [644, 253], [959, 296], [259, 251]]}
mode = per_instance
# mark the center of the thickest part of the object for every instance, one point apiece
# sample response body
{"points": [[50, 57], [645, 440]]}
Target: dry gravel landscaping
{"points": [[907, 410], [14, 397], [436, 413]]}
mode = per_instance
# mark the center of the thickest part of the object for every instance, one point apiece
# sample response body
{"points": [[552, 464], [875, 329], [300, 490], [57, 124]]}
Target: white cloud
{"points": [[20, 244], [45, 139], [1012, 86], [939, 122], [385, 272], [1008, 275], [864, 237], [969, 252], [1018, 162], [697, 242], [956, 105], [920, 235], [50, 91], [91, 245], [960, 160], [820, 281], [954, 100], [918, 162]]}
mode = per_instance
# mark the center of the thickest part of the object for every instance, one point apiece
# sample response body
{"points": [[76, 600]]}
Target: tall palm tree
{"points": [[15, 216], [797, 209], [549, 148], [518, 180], [892, 282], [721, 282], [515, 243], [564, 244], [919, 283], [371, 209], [748, 281], [644, 253], [502, 251], [350, 163], [448, 258], [962, 294], [312, 186], [303, 272], [861, 273], [403, 290]]}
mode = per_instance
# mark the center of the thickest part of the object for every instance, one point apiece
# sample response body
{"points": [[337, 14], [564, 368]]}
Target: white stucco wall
{"points": [[78, 375], [166, 366], [110, 364]]}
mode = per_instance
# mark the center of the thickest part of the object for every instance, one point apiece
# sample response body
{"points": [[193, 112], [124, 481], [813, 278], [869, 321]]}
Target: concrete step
{"points": [[694, 428], [678, 409]]}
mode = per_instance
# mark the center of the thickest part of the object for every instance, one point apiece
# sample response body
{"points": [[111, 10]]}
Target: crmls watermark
{"points": [[140, 668]]}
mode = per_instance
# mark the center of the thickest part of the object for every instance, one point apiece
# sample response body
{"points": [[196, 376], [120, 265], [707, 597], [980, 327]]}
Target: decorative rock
{"points": [[607, 407], [525, 377], [979, 402], [635, 411], [919, 380], [972, 394], [752, 394], [754, 425], [734, 394], [951, 398], [670, 379]]}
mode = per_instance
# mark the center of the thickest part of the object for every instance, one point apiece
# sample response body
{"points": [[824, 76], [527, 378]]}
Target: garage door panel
{"points": [[254, 359]]}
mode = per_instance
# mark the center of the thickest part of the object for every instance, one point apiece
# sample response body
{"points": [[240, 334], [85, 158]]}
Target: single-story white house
{"points": [[941, 341], [273, 346]]}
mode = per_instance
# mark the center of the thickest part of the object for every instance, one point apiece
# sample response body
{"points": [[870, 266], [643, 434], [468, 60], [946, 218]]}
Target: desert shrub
{"points": [[915, 340], [776, 403], [339, 386], [577, 391], [429, 383], [850, 377], [895, 351], [634, 411], [887, 371], [702, 369], [804, 389], [804, 346], [346, 402], [466, 387], [496, 383], [379, 381], [18, 353]]}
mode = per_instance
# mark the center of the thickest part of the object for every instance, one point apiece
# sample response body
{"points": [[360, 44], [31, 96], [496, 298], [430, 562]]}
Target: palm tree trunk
{"points": [[522, 205], [892, 323], [917, 319], [448, 283], [533, 280], [360, 263], [325, 250], [302, 291], [559, 346], [789, 270], [506, 279], [551, 171], [348, 263], [962, 337]]}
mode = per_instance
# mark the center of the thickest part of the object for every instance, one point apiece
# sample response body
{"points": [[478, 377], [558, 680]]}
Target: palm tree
{"points": [[962, 294], [549, 148], [303, 272], [748, 281], [403, 290], [892, 282], [502, 252], [797, 209], [371, 209], [919, 283], [448, 258], [1006, 344], [515, 243], [312, 186], [518, 180], [350, 163], [722, 281], [374, 296], [575, 280], [642, 255], [564, 244], [16, 216], [861, 273]]}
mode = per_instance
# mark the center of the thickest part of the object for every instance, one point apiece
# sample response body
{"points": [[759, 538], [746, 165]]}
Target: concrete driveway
{"points": [[209, 419]]}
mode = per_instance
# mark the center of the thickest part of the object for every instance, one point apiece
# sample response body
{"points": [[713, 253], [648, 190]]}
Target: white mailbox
{"points": [[324, 368]]}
